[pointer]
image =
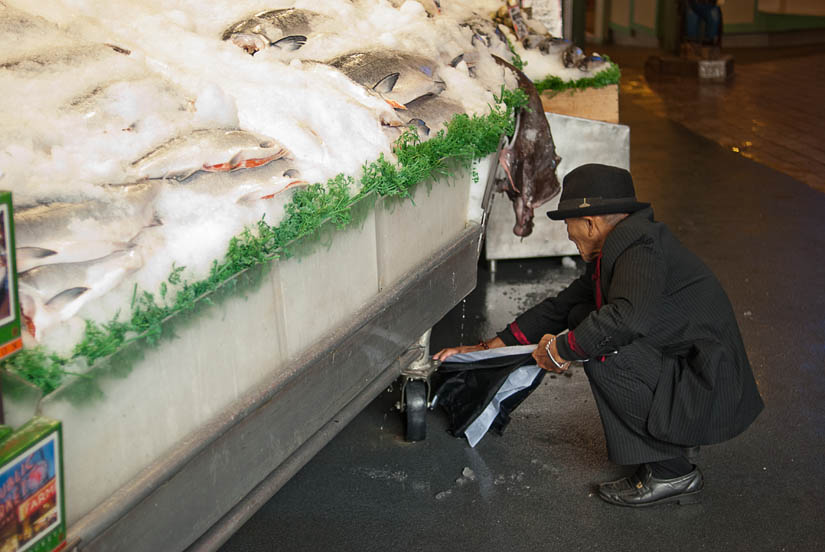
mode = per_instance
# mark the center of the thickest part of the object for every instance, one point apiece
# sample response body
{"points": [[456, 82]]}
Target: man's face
{"points": [[581, 231]]}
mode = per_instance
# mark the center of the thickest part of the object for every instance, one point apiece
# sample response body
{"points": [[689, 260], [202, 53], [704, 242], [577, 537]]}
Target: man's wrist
{"points": [[567, 349], [550, 354]]}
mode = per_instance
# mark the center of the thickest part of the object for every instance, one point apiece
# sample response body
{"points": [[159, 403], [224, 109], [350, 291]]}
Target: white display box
{"points": [[578, 141], [145, 402]]}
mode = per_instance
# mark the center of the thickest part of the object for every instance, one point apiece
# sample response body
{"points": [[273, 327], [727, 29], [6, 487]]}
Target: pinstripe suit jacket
{"points": [[672, 324]]}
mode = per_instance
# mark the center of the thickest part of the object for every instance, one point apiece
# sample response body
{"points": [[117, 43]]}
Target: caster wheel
{"points": [[415, 408]]}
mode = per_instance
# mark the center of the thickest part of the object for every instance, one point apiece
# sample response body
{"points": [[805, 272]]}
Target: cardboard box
{"points": [[32, 513], [599, 104]]}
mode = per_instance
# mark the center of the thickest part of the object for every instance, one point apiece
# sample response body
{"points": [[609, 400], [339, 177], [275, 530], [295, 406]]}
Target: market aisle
{"points": [[771, 111], [760, 231]]}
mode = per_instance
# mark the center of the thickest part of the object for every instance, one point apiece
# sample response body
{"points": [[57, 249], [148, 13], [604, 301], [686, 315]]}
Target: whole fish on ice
{"points": [[22, 33], [429, 114], [399, 77], [572, 56], [63, 232], [484, 31], [214, 150], [266, 183], [592, 63], [532, 41], [529, 159], [286, 29], [67, 58], [552, 45], [54, 293]]}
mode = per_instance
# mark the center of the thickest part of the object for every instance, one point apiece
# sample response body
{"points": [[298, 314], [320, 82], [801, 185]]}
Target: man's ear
{"points": [[591, 225]]}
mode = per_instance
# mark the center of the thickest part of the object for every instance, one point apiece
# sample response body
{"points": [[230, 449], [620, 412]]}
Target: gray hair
{"points": [[612, 219]]}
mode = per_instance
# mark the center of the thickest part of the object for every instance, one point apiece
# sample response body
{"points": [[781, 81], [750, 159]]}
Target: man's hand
{"points": [[443, 354], [544, 362]]}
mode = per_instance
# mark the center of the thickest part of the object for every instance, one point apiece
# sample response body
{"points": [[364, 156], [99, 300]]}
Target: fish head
{"points": [[31, 307], [532, 41], [481, 39], [524, 215], [249, 42], [250, 150]]}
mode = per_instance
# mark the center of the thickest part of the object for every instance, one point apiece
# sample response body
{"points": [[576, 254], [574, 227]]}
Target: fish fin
{"points": [[181, 176], [505, 164], [259, 194], [290, 43], [480, 39], [36, 252], [385, 85], [298, 183], [259, 161], [218, 167], [395, 105], [65, 297], [118, 49], [232, 164]]}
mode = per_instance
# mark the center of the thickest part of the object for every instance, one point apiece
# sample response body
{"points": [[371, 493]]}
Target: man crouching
{"points": [[657, 336]]}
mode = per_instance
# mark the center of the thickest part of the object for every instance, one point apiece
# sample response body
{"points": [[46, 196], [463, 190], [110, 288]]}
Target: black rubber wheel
{"points": [[415, 395]]}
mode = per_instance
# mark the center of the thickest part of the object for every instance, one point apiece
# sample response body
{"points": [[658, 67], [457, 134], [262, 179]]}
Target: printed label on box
{"points": [[30, 498]]}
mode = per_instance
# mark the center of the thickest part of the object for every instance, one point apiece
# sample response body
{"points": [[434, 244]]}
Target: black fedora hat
{"points": [[595, 189]]}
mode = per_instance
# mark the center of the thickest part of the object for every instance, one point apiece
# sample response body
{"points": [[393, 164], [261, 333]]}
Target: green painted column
{"points": [[579, 22], [669, 23]]}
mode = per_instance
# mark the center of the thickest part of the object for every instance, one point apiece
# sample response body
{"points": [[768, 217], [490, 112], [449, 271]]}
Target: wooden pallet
{"points": [[600, 104]]}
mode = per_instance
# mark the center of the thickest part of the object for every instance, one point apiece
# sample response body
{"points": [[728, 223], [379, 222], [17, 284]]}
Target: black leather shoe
{"points": [[642, 489]]}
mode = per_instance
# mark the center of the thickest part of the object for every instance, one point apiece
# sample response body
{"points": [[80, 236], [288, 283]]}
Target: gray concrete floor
{"points": [[761, 231]]}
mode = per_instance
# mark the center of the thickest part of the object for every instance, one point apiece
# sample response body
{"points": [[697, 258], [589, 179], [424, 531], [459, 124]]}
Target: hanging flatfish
{"points": [[529, 159]]}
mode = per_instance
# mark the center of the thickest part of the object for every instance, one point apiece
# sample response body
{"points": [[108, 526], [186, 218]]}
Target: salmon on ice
{"points": [[53, 293], [65, 232], [214, 150]]}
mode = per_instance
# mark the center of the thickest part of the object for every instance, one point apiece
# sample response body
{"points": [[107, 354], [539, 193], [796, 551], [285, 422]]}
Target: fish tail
{"points": [[396, 105], [505, 166], [285, 188]]}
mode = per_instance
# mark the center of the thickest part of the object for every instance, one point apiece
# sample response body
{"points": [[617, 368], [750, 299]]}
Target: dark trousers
{"points": [[706, 12], [623, 387], [624, 395]]}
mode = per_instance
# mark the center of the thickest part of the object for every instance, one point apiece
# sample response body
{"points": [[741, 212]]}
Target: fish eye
{"points": [[267, 144]]}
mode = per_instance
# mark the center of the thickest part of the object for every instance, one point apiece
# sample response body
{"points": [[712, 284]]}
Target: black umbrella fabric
{"points": [[480, 390]]}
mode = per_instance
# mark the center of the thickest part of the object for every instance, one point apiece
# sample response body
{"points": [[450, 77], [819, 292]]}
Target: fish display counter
{"points": [[234, 223], [163, 442]]}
